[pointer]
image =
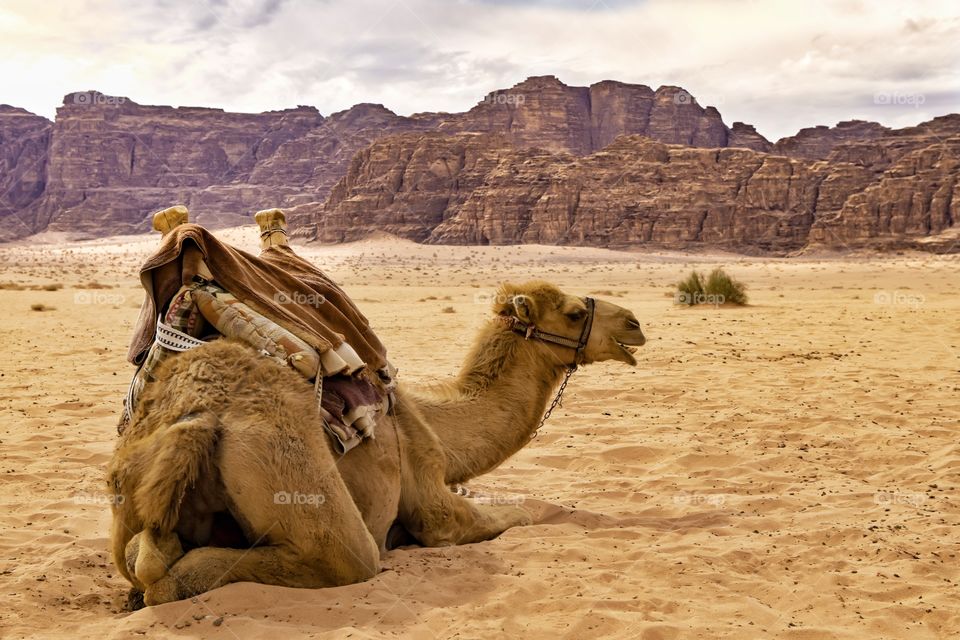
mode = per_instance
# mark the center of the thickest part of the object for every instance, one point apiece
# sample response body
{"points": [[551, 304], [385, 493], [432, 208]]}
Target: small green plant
{"points": [[716, 289], [690, 290]]}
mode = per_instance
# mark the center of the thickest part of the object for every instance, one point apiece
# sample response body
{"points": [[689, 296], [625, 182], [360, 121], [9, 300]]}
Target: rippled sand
{"points": [[787, 469]]}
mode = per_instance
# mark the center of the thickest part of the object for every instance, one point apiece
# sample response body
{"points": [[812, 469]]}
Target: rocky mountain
{"points": [[107, 162], [543, 112], [612, 164], [816, 143], [896, 190], [24, 139]]}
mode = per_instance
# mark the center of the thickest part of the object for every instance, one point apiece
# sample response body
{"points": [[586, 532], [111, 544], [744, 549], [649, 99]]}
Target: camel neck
{"points": [[493, 408]]}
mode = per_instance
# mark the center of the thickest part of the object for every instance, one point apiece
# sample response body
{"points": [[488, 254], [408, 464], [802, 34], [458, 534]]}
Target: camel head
{"points": [[541, 309]]}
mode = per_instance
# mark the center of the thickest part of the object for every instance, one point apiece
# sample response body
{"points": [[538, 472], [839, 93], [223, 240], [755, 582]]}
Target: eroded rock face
{"points": [[112, 162], [543, 112], [484, 189], [816, 143], [478, 189], [109, 162], [918, 197], [24, 138], [611, 164]]}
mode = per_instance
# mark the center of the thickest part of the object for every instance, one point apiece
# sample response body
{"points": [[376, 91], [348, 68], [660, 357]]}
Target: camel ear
{"points": [[525, 309]]}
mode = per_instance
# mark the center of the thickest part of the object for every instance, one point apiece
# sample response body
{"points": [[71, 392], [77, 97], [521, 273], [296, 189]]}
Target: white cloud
{"points": [[778, 65]]}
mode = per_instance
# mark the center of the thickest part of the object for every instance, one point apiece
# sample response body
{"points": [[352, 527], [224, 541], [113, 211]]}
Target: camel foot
{"points": [[169, 219], [162, 591], [150, 555], [273, 228], [134, 600]]}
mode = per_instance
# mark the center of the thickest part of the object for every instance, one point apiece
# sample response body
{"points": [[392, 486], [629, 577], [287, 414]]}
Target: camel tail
{"points": [[180, 455]]}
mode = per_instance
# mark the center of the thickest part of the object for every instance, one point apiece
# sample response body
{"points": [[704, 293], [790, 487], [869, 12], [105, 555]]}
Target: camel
{"points": [[226, 474]]}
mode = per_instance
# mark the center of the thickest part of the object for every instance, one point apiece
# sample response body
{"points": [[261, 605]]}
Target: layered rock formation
{"points": [[482, 189], [816, 143], [24, 138], [610, 164], [107, 162], [112, 161], [470, 189], [543, 112], [913, 200]]}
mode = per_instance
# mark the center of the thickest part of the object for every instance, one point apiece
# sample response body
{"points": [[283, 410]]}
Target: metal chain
{"points": [[557, 401]]}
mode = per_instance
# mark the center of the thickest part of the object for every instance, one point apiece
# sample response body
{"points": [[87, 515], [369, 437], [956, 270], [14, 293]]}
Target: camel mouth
{"points": [[630, 346]]}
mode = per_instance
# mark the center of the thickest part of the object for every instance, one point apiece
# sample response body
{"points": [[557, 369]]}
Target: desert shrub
{"points": [[716, 288], [722, 287], [690, 290]]}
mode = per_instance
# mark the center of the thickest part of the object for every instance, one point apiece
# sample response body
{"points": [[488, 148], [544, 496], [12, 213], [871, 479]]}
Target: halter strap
{"points": [[578, 345]]}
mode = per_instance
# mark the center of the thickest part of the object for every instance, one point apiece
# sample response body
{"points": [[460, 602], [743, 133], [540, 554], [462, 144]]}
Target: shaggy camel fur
{"points": [[227, 440]]}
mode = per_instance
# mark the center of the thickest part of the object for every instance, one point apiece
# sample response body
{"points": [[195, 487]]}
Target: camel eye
{"points": [[577, 315]]}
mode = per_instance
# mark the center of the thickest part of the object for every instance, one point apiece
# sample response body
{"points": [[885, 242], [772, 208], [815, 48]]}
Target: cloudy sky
{"points": [[779, 65]]}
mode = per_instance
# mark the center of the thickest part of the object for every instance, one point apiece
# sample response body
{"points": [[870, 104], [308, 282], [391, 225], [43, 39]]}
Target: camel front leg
{"points": [[283, 565], [429, 511], [436, 517]]}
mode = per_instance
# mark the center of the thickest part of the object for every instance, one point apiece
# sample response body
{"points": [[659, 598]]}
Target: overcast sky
{"points": [[777, 65]]}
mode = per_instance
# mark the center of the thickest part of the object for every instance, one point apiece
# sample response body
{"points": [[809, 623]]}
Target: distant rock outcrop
{"points": [[483, 189], [816, 143], [24, 138], [545, 113], [612, 164]]}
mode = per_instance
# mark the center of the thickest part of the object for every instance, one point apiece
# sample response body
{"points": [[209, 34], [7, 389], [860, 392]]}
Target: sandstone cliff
{"points": [[816, 143], [24, 138], [107, 162], [483, 189], [610, 164], [545, 113]]}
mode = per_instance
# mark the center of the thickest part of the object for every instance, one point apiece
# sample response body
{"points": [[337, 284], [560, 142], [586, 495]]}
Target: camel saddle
{"points": [[199, 288]]}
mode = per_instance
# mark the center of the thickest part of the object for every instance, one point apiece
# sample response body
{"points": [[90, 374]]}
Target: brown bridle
{"points": [[529, 331]]}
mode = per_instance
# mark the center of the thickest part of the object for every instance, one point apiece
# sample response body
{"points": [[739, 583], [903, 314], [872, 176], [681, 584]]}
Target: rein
{"points": [[530, 331]]}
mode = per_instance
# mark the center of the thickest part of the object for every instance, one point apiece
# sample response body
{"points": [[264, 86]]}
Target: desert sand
{"points": [[788, 469]]}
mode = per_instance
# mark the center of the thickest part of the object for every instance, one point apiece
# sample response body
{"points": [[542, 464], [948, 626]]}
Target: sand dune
{"points": [[788, 469]]}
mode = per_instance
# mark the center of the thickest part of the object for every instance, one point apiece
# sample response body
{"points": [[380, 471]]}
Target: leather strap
{"points": [[530, 331]]}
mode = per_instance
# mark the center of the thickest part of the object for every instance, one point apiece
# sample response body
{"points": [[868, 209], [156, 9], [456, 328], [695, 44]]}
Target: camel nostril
{"points": [[632, 323]]}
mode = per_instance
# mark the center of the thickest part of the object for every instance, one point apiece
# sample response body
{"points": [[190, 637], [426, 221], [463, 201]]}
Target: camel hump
{"points": [[178, 458], [166, 220]]}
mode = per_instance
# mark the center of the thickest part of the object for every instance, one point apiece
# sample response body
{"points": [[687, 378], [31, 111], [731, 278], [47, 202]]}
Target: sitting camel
{"points": [[226, 439]]}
